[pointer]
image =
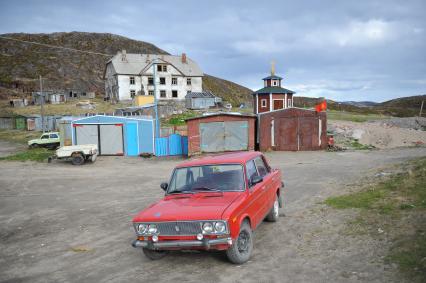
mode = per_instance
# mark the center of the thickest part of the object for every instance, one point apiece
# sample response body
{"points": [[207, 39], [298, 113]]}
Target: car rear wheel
{"points": [[274, 214], [154, 254], [242, 248], [77, 159]]}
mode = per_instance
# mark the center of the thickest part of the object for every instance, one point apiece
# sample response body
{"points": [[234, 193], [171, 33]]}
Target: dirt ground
{"points": [[8, 148], [61, 223]]}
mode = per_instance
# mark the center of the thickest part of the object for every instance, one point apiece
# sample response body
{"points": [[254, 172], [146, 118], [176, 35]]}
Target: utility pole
{"points": [[421, 109], [157, 121], [42, 104]]}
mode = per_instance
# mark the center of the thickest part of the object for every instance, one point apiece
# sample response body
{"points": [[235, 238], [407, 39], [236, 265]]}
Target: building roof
{"points": [[273, 89], [234, 114], [227, 158], [136, 64], [204, 94], [272, 77]]}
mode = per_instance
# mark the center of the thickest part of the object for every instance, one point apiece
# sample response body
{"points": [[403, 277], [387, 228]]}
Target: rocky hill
{"points": [[21, 63]]}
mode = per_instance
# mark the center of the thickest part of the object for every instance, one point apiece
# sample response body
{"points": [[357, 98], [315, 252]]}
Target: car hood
{"points": [[198, 206], [33, 141]]}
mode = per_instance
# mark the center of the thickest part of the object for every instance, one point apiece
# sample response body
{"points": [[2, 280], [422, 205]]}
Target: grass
{"points": [[179, 119], [68, 108], [399, 204], [18, 136], [353, 117], [38, 154], [355, 144]]}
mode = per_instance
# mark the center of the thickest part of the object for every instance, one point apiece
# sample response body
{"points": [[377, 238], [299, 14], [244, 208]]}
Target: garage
{"points": [[220, 132], [292, 129], [115, 135]]}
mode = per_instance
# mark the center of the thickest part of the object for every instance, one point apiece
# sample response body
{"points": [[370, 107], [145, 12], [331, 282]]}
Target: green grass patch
{"points": [[353, 117], [355, 144], [37, 154], [18, 136], [396, 205], [410, 255], [179, 119]]}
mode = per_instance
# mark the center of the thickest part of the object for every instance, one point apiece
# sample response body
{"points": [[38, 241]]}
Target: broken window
{"points": [[162, 68], [162, 81], [162, 93], [174, 81], [150, 81], [132, 80], [188, 81], [174, 93], [150, 92], [132, 93]]}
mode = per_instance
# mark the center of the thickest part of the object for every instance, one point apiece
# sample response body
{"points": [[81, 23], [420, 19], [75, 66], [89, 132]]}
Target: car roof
{"points": [[227, 158]]}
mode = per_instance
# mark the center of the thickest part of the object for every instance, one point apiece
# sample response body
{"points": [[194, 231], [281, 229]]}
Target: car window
{"points": [[261, 167], [43, 137], [251, 171], [223, 177], [53, 136]]}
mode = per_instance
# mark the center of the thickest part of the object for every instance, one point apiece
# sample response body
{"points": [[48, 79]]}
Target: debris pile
{"points": [[390, 133]]}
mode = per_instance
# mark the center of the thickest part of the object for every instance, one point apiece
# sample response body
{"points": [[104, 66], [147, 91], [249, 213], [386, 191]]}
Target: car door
{"points": [[54, 138], [267, 196], [44, 139], [256, 206]]}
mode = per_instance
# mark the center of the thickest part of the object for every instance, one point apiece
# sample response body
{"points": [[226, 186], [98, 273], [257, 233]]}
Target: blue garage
{"points": [[115, 135]]}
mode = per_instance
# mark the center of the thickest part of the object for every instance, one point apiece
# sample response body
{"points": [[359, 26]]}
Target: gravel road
{"points": [[61, 223]]}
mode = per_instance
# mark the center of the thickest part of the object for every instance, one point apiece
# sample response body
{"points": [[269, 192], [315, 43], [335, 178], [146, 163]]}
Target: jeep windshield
{"points": [[207, 178]]}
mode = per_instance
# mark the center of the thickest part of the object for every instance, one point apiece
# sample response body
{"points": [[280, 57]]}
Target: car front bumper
{"points": [[204, 243]]}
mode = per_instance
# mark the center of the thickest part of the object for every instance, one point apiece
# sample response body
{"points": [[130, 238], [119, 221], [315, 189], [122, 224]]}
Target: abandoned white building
{"points": [[128, 75]]}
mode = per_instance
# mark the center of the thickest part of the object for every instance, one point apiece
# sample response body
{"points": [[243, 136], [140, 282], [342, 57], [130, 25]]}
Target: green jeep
{"points": [[49, 140]]}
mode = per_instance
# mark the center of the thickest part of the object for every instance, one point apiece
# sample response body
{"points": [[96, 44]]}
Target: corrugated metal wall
{"points": [[172, 145]]}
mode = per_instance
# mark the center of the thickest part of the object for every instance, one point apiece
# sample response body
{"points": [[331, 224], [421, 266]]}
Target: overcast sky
{"points": [[343, 50]]}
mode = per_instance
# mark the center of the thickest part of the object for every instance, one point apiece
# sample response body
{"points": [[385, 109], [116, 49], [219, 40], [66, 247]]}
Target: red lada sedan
{"points": [[214, 203]]}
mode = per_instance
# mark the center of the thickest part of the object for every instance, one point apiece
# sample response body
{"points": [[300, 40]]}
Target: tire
{"points": [[34, 145], [153, 254], [274, 214], [241, 250], [77, 159]]}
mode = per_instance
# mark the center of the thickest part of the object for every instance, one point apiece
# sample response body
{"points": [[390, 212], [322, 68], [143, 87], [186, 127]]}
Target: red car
{"points": [[214, 203]]}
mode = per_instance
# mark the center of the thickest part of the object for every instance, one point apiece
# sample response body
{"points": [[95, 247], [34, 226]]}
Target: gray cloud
{"points": [[346, 50]]}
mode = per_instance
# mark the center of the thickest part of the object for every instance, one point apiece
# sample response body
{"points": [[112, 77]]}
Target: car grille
{"points": [[178, 228]]}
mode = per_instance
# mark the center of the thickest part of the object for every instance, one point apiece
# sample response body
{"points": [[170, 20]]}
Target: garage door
{"points": [[86, 134], [111, 137], [223, 136]]}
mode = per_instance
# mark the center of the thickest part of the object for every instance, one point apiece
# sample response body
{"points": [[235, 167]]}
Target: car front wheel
{"points": [[153, 254], [242, 248]]}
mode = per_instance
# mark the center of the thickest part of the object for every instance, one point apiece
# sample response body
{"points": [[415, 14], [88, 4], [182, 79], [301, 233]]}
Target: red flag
{"points": [[321, 107]]}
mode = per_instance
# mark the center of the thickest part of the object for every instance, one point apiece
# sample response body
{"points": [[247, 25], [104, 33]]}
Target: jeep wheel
{"points": [[77, 159], [153, 254], [34, 145], [241, 250], [274, 214]]}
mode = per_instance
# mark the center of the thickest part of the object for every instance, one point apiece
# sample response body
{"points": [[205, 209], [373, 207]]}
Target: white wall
{"points": [[181, 87]]}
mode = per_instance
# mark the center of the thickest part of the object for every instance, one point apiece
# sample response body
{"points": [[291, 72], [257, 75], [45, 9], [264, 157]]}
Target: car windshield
{"points": [[222, 177]]}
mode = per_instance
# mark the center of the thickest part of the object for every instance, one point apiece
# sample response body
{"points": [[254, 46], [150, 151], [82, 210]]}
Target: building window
{"points": [[162, 68], [263, 103], [188, 92], [150, 81], [174, 81], [174, 93], [162, 81], [132, 93], [188, 81], [162, 93], [150, 92], [132, 80], [274, 83]]}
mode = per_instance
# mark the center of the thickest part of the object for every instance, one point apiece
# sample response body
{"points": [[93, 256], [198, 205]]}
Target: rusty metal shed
{"points": [[292, 129], [220, 132]]}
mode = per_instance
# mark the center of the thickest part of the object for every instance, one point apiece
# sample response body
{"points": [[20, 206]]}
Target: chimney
{"points": [[123, 55], [184, 58]]}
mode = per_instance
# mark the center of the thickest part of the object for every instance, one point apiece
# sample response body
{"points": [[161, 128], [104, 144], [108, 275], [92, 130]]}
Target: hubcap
{"points": [[243, 242], [276, 208]]}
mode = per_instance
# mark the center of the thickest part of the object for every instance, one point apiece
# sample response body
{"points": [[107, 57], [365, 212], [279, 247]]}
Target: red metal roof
{"points": [[235, 157]]}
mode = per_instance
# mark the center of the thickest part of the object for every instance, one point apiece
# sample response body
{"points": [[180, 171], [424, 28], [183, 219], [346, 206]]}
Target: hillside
{"points": [[21, 63]]}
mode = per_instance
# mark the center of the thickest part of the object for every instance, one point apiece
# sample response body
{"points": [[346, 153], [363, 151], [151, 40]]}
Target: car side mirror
{"points": [[164, 186], [256, 179]]}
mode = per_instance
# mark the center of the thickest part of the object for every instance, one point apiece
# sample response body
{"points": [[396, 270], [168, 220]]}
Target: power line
{"points": [[55, 46]]}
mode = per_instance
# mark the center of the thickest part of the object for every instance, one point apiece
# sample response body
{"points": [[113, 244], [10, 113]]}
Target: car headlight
{"points": [[207, 227], [152, 229], [141, 228], [219, 227]]}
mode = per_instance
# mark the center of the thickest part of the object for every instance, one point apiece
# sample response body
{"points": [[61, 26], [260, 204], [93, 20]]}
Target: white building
{"points": [[127, 75]]}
